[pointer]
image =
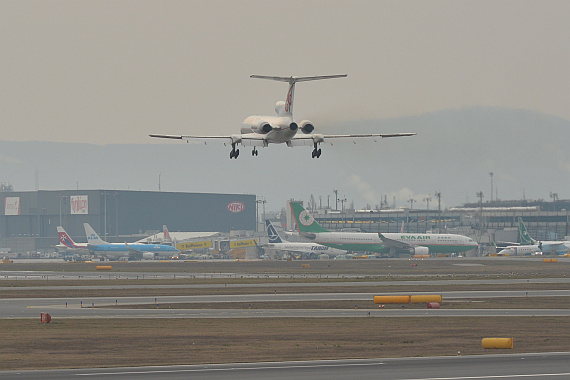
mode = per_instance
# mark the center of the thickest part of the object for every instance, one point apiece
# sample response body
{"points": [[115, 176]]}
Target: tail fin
{"points": [[272, 233], [65, 239], [92, 237], [525, 237], [305, 221], [286, 109], [166, 233]]}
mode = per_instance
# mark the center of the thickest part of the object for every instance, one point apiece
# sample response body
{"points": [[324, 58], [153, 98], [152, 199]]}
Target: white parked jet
{"points": [[308, 250], [391, 243], [260, 131], [528, 245]]}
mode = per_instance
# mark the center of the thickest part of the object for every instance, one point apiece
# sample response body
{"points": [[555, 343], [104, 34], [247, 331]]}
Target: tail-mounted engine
{"points": [[307, 126], [262, 127]]}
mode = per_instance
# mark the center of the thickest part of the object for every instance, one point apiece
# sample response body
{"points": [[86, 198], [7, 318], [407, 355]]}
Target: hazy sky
{"points": [[114, 71]]}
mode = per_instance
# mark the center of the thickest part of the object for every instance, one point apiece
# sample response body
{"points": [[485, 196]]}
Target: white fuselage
{"points": [[555, 247], [519, 250], [365, 241], [306, 248], [283, 128]]}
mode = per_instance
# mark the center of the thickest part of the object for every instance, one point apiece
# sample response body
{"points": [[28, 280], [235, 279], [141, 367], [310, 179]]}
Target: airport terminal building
{"points": [[29, 219]]}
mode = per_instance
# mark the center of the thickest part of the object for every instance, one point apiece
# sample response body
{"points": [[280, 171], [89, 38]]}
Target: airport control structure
{"points": [[29, 220]]}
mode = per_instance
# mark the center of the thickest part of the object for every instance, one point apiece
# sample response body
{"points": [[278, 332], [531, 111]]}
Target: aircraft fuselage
{"points": [[274, 129]]}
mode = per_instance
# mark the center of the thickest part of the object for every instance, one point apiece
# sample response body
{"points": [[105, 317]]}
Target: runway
{"points": [[90, 307], [275, 285], [519, 366]]}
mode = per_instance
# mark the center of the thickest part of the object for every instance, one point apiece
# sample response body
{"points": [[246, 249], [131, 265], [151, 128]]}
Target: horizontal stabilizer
{"points": [[298, 79]]}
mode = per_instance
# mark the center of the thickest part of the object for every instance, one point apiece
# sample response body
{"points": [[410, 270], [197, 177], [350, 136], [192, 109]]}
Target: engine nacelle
{"points": [[148, 255], [262, 127], [307, 126], [419, 251]]}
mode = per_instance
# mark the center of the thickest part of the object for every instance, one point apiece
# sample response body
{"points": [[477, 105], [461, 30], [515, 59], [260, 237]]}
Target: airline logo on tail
{"points": [[66, 240], [166, 233], [92, 237], [305, 218], [272, 233], [305, 221]]}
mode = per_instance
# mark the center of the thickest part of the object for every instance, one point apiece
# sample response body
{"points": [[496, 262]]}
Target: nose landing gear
{"points": [[254, 152]]}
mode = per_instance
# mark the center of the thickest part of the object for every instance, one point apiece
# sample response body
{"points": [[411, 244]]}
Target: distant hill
{"points": [[454, 152]]}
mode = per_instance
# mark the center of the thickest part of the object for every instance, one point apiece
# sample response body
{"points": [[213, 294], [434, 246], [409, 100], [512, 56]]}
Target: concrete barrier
{"points": [[423, 298], [497, 342], [391, 299], [549, 260], [103, 267]]}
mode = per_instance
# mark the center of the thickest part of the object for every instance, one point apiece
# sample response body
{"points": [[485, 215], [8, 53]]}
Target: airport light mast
{"points": [[438, 196], [554, 197], [427, 200], [336, 199]]}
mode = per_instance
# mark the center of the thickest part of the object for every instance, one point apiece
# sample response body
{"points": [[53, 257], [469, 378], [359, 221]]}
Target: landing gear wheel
{"points": [[234, 153], [316, 151]]}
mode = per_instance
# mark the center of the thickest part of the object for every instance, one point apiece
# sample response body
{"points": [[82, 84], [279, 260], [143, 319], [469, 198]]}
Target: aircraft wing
{"points": [[228, 139], [554, 243], [391, 243], [310, 139], [250, 139], [133, 251]]}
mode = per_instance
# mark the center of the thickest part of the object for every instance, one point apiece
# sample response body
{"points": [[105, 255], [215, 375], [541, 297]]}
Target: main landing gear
{"points": [[235, 152], [316, 152], [254, 152]]}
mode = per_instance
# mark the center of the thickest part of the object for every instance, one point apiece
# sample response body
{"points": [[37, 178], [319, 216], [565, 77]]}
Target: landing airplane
{"points": [[260, 131], [133, 250], [309, 250], [392, 243]]}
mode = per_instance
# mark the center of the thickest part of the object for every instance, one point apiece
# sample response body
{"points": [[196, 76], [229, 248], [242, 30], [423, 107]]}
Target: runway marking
{"points": [[229, 369], [320, 366], [490, 376]]}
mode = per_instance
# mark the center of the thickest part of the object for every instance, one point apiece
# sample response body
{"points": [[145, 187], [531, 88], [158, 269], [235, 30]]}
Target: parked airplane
{"points": [[528, 245], [260, 131], [157, 238], [532, 246], [551, 247], [391, 243], [133, 250], [67, 242], [166, 234], [308, 250]]}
